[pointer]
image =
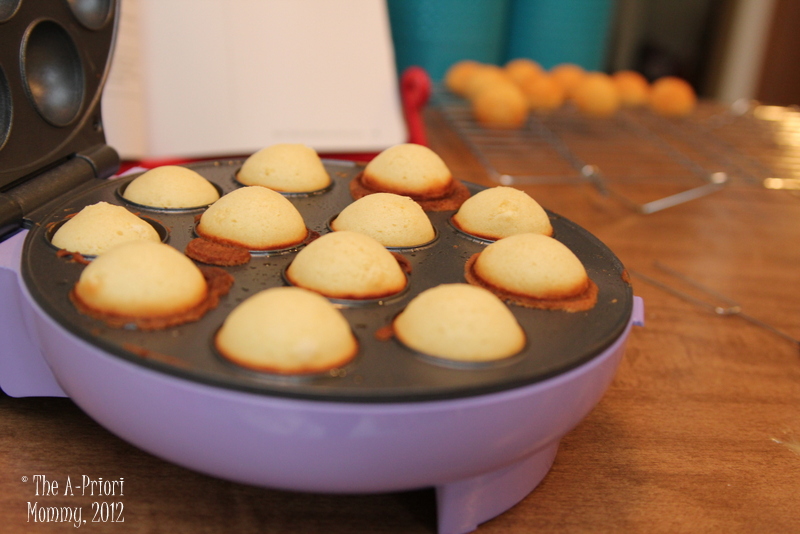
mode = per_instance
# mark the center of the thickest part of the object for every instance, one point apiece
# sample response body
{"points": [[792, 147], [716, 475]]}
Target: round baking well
{"points": [[53, 73], [8, 8], [93, 14], [385, 370], [6, 108]]}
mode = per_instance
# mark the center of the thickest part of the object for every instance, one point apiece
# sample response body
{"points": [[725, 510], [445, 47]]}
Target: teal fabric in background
{"points": [[561, 31], [434, 34]]}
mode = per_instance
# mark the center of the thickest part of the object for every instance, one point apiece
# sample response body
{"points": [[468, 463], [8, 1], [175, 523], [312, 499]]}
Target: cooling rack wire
{"points": [[675, 159]]}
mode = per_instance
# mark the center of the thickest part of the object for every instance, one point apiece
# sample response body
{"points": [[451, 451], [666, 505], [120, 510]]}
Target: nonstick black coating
{"points": [[54, 59], [383, 371]]}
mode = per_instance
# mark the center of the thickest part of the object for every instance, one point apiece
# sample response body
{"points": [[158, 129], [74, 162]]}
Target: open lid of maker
{"points": [[54, 60]]}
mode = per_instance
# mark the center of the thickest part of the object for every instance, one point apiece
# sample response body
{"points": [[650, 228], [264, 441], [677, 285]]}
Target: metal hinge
{"points": [[18, 204]]}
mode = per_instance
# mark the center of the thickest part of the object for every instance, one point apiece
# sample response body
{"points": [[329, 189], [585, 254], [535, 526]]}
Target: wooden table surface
{"points": [[699, 432]]}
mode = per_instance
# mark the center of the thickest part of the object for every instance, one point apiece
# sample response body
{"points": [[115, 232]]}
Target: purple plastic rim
{"points": [[320, 446]]}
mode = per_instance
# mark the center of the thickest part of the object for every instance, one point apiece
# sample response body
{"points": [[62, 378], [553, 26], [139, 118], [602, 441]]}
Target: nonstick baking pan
{"points": [[383, 371]]}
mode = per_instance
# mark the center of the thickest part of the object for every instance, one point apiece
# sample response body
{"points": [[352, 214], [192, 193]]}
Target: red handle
{"points": [[415, 90]]}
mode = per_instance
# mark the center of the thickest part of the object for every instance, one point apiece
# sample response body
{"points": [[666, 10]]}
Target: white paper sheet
{"points": [[198, 78]]}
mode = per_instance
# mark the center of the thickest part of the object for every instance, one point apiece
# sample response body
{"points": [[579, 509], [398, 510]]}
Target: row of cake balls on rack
{"points": [[154, 286], [503, 96]]}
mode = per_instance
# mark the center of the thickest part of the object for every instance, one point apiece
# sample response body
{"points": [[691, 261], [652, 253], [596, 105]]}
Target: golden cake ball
{"points": [[408, 169], [255, 218], [544, 93], [485, 77], [532, 265], [459, 322], [100, 227], [286, 330], [568, 75], [285, 167], [522, 69], [141, 279], [672, 97], [596, 95], [347, 265], [171, 187], [501, 106], [392, 220], [500, 212], [633, 88], [457, 76]]}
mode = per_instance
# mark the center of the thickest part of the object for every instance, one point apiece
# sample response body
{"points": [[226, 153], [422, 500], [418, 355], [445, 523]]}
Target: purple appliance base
{"points": [[483, 454]]}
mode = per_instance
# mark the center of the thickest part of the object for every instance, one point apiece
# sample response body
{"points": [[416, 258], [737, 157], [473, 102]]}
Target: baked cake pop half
{"points": [[534, 271], [287, 330], [100, 227], [393, 220], [459, 322], [171, 187], [254, 218], [285, 167], [347, 265], [414, 171], [149, 285], [500, 212]]}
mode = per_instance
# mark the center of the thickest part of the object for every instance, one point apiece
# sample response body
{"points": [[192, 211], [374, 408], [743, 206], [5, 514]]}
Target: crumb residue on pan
{"points": [[213, 253], [385, 333], [405, 265], [452, 199], [77, 257], [149, 354]]}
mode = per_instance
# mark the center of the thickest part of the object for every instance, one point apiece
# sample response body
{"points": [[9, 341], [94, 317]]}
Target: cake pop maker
{"points": [[483, 435]]}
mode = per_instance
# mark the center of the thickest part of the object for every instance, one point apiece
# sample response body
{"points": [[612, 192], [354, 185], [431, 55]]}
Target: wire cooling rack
{"points": [[676, 159]]}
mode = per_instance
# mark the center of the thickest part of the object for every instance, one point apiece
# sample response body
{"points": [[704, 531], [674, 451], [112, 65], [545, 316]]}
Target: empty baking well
{"points": [[6, 107], [92, 14], [53, 73]]}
